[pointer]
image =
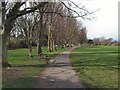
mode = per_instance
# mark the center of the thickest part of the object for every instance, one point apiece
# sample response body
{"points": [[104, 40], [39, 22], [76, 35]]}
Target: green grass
{"points": [[20, 57], [97, 66], [24, 69]]}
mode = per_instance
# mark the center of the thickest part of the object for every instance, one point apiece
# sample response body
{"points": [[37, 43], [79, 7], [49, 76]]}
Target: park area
{"points": [[96, 67], [59, 44]]}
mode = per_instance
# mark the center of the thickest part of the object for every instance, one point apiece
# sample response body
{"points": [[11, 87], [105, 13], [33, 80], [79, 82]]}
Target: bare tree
{"points": [[96, 41], [83, 36], [10, 12], [13, 10]]}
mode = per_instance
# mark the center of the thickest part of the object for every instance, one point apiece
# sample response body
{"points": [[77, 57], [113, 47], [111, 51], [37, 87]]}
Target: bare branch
{"points": [[32, 9], [70, 9]]}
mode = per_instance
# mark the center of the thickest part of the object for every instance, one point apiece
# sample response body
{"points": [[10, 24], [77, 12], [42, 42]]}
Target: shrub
{"points": [[17, 43]]}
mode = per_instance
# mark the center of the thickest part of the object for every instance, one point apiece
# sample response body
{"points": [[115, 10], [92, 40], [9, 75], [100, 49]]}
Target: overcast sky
{"points": [[106, 23]]}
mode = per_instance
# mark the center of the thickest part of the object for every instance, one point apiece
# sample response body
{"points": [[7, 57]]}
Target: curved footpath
{"points": [[59, 74]]}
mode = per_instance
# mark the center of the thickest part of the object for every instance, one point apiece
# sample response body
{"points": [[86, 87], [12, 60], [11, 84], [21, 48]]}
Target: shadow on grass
{"points": [[32, 65], [102, 52], [97, 82], [23, 83], [36, 65], [86, 66], [19, 82]]}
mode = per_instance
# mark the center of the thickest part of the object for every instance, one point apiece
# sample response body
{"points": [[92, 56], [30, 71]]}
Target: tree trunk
{"points": [[39, 48], [1, 51], [4, 39], [30, 42], [3, 48], [49, 39], [30, 49], [40, 33], [53, 44]]}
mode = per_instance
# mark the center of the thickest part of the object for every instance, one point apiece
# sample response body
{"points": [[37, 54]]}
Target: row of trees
{"points": [[38, 22], [102, 41]]}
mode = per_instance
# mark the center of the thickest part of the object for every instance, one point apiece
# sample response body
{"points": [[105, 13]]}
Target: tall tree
{"points": [[40, 30], [10, 12], [1, 32], [83, 36]]}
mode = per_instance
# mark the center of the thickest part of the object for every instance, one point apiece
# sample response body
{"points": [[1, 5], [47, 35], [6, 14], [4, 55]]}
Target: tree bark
{"points": [[30, 42], [30, 49], [3, 48], [40, 32], [53, 44], [49, 39], [39, 48], [5, 27]]}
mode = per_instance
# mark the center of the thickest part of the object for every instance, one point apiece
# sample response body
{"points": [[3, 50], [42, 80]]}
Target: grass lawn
{"points": [[24, 70], [97, 66]]}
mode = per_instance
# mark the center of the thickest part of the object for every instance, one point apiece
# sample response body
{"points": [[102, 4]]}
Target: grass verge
{"points": [[97, 66]]}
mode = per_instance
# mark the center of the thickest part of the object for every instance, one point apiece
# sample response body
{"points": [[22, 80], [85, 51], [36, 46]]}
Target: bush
{"points": [[22, 44], [18, 43]]}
